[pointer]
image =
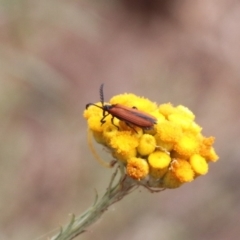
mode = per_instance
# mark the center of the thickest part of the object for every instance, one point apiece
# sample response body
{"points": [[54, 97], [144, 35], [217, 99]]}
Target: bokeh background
{"points": [[54, 54]]}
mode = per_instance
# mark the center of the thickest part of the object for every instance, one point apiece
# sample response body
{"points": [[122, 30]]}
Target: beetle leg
{"points": [[104, 116], [114, 123]]}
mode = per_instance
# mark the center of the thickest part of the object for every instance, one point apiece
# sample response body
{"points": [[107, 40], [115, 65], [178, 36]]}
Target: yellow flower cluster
{"points": [[171, 153]]}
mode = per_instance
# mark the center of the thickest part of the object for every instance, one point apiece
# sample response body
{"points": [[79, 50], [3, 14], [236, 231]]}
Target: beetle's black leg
{"points": [[104, 116], [114, 123]]}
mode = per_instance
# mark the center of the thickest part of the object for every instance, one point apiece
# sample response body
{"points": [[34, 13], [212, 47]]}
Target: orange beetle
{"points": [[131, 116]]}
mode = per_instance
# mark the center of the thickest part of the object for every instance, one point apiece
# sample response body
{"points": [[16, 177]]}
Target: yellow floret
{"points": [[125, 156], [194, 128], [159, 160], [95, 124], [137, 168], [169, 132], [93, 111], [159, 116], [182, 170], [166, 109], [187, 146], [94, 116], [145, 105], [181, 120], [208, 142], [212, 155], [98, 136], [170, 181], [206, 149], [123, 142], [147, 144], [124, 99], [184, 111], [199, 164], [164, 146], [109, 131]]}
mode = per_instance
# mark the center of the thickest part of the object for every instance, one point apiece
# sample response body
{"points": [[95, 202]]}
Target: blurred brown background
{"points": [[54, 54]]}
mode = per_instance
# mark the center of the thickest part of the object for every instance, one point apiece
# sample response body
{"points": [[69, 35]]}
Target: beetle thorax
{"points": [[108, 107]]}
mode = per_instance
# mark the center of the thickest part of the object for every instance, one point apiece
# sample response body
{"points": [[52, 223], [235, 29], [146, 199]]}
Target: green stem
{"points": [[113, 194]]}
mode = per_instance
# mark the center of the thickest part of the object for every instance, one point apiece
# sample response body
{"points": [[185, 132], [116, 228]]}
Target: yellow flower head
{"points": [[159, 160], [147, 144], [137, 168], [169, 132], [182, 170], [170, 181], [187, 145], [123, 142], [206, 149], [161, 146], [198, 164]]}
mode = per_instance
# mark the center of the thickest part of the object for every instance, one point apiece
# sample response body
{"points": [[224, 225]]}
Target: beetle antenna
{"points": [[101, 94], [92, 104]]}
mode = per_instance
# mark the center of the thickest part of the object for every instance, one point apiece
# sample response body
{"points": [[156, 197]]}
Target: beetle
{"points": [[131, 116]]}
